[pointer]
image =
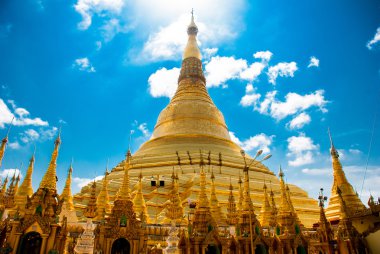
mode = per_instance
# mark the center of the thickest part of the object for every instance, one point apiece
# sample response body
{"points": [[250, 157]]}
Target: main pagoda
{"points": [[190, 130]]}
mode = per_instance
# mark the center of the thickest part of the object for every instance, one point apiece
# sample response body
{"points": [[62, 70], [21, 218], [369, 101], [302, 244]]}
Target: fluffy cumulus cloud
{"points": [[292, 105], [314, 62], [88, 8], [81, 182], [10, 172], [20, 116], [263, 55], [299, 121], [255, 143], [161, 24], [163, 83], [83, 64], [281, 69], [375, 40], [301, 150]]}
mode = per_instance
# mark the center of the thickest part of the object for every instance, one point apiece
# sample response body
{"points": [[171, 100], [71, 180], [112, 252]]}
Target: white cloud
{"points": [[293, 104], [163, 83], [299, 121], [281, 69], [14, 145], [207, 53], [29, 136], [81, 182], [314, 62], [144, 130], [251, 97], [257, 142], [87, 8], [375, 39], [83, 64], [220, 69], [317, 171], [252, 72], [20, 115], [263, 55], [301, 149], [10, 172]]}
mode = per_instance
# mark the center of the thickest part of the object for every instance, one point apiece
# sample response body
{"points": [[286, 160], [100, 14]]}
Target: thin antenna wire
{"points": [[10, 126], [369, 152], [130, 138]]}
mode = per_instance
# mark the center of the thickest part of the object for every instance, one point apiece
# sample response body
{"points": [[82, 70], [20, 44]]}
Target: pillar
{"points": [[51, 239], [17, 241], [43, 244]]}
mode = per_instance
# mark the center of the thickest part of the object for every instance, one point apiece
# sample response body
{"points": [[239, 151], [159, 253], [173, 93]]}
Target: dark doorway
{"points": [[30, 243], [260, 249], [301, 250], [121, 246], [212, 249]]}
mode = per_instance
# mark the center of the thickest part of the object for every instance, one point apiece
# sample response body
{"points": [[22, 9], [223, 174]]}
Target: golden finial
{"points": [[125, 191], [49, 181], [333, 151], [266, 212], [192, 49], [139, 204]]}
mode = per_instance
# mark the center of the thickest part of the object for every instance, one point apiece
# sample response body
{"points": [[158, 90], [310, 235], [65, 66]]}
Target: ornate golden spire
{"points": [[4, 143], [291, 205], [192, 49], [17, 183], [66, 193], [324, 224], [3, 192], [266, 211], [216, 210], [285, 216], [124, 192], [241, 194], [103, 201], [139, 204], [274, 209], [202, 198], [49, 181], [25, 190], [10, 193], [340, 181], [91, 208], [174, 210], [231, 208]]}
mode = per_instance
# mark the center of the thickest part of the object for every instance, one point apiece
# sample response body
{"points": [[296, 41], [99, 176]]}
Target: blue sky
{"points": [[281, 73]]}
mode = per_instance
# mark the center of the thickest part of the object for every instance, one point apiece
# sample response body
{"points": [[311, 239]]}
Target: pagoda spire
{"points": [[174, 210], [231, 208], [274, 209], [139, 204], [324, 224], [124, 192], [4, 143], [91, 208], [291, 205], [26, 189], [102, 201], [66, 193], [17, 183], [285, 216], [10, 193], [266, 210], [340, 181], [192, 49], [216, 210], [49, 181], [241, 194]]}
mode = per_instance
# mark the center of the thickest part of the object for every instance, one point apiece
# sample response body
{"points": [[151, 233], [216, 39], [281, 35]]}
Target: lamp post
{"points": [[246, 170]]}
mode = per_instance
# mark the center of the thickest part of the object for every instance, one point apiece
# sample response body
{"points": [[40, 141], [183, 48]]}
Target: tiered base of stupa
{"points": [[161, 166]]}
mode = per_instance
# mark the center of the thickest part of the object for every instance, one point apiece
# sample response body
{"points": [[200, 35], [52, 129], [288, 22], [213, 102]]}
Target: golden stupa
{"points": [[189, 130]]}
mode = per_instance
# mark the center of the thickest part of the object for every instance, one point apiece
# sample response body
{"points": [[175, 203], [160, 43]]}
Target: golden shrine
{"points": [[189, 189]]}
